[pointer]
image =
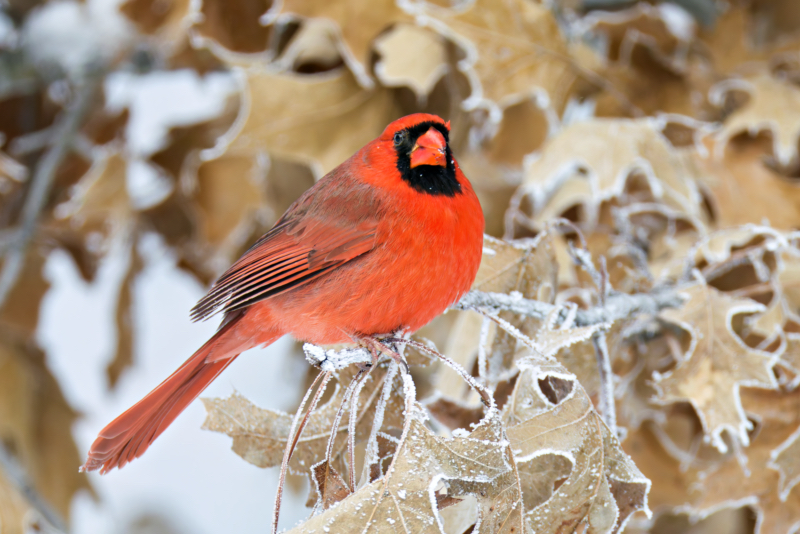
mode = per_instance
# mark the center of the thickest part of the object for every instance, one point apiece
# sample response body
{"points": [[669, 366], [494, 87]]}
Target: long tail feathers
{"points": [[130, 434]]}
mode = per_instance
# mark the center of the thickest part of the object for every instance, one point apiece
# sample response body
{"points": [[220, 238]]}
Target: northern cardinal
{"points": [[382, 244]]}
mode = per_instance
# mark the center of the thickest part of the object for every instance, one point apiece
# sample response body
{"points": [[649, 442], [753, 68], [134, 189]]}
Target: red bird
{"points": [[383, 243]]}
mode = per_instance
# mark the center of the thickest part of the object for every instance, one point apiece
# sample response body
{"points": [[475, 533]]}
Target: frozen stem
{"points": [[617, 306], [608, 410], [294, 435]]}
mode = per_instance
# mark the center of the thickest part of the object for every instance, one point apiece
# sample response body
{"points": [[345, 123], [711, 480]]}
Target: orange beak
{"points": [[430, 149]]}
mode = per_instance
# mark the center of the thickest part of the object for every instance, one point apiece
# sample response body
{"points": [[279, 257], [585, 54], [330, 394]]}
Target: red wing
{"points": [[291, 254]]}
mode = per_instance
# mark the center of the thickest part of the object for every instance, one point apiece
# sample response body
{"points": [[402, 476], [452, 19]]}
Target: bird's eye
{"points": [[399, 138]]}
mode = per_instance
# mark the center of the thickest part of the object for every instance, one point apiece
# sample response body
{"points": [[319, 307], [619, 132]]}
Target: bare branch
{"points": [[63, 133], [608, 410], [618, 306]]}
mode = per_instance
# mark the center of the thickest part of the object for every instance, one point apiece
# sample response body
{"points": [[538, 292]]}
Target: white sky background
{"points": [[190, 477]]}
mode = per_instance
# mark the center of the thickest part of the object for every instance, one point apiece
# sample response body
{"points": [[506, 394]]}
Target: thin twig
{"points": [[618, 306], [42, 181], [294, 436], [608, 409], [351, 428]]}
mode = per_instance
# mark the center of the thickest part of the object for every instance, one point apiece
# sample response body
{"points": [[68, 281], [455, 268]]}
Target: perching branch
{"points": [[618, 306], [63, 133]]}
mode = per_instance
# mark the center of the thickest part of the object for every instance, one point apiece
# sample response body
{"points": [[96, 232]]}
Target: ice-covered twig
{"points": [[371, 455], [608, 409], [333, 360], [293, 436], [486, 396], [618, 306], [42, 181]]}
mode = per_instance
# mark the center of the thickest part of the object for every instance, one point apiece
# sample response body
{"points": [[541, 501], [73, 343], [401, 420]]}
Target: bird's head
{"points": [[424, 160]]}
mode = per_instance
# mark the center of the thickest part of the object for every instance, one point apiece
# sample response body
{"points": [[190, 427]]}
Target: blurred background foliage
{"points": [[705, 92]]}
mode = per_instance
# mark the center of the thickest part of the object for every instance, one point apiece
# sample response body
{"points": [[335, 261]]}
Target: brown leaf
{"points": [[21, 309], [603, 487], [357, 23], [259, 435], [330, 486], [513, 49], [411, 56], [319, 120], [36, 423], [404, 502], [742, 189], [235, 25], [716, 364], [579, 169], [774, 106], [151, 16], [123, 357]]}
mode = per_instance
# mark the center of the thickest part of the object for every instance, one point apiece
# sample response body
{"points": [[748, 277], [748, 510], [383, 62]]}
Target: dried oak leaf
{"points": [[578, 168], [514, 49], [641, 25], [259, 435], [329, 484], [774, 105], [357, 23], [742, 189], [100, 204], [768, 491], [163, 17], [36, 424], [319, 120], [411, 56], [717, 363], [603, 487], [20, 312], [409, 499], [123, 357], [732, 47], [232, 28]]}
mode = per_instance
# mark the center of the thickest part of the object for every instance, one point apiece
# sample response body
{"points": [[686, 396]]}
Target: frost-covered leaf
{"points": [[775, 503], [411, 56], [774, 106], [356, 24], [717, 363], [603, 487], [329, 484], [428, 470], [259, 435], [524, 266], [513, 49], [320, 120], [743, 189], [579, 169]]}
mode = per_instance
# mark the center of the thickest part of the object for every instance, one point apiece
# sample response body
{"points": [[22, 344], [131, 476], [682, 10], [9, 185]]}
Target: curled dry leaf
{"points": [[513, 49], [579, 169], [716, 365], [411, 56]]}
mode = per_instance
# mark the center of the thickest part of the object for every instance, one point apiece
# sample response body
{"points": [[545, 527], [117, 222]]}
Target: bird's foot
{"points": [[376, 347]]}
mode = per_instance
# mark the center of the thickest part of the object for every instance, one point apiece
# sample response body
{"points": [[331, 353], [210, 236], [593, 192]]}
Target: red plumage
{"points": [[384, 242]]}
